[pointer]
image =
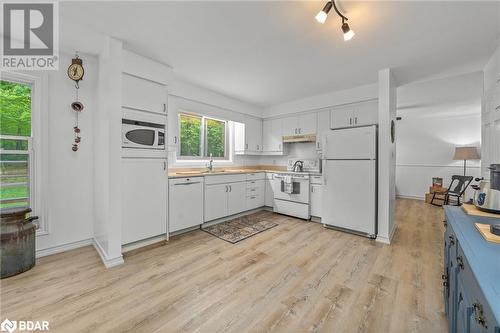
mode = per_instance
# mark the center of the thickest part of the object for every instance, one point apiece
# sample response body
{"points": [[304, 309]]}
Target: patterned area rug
{"points": [[241, 228]]}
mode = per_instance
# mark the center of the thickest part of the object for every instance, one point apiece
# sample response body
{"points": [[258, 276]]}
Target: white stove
{"points": [[291, 189]]}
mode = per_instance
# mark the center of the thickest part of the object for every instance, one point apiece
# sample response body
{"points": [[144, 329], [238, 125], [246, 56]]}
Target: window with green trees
{"points": [[15, 143], [201, 136]]}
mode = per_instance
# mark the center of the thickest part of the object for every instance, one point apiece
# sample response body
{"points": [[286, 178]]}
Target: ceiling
{"points": [[266, 53]]}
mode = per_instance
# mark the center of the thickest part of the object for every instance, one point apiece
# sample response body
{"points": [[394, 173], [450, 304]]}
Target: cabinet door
{"points": [[322, 127], [272, 137], [173, 129], [236, 199], [316, 200], [365, 113], [215, 201], [253, 135], [463, 310], [307, 123], [144, 199], [341, 117], [269, 193], [289, 126], [142, 94]]}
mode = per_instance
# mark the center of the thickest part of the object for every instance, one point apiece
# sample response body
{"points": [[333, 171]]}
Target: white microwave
{"points": [[141, 134]]}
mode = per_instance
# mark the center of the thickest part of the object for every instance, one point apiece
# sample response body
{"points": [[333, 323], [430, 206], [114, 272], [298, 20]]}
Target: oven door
{"points": [[141, 135], [299, 189]]}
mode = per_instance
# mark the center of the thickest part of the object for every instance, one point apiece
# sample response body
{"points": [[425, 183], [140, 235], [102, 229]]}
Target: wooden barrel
{"points": [[17, 241]]}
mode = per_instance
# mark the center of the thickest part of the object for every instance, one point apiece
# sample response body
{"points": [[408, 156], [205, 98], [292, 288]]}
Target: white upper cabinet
{"points": [[322, 127], [272, 135], [307, 123], [248, 136], [356, 114], [289, 126], [299, 125], [144, 95]]}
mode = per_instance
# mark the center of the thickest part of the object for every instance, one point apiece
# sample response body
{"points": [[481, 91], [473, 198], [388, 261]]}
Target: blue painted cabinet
{"points": [[471, 276]]}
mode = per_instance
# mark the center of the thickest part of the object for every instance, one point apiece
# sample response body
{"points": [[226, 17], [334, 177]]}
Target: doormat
{"points": [[241, 228]]}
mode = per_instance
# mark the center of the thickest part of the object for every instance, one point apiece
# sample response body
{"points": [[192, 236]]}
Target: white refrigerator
{"points": [[349, 200]]}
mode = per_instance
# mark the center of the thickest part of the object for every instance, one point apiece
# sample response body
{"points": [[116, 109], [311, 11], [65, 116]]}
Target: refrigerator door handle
{"points": [[325, 176]]}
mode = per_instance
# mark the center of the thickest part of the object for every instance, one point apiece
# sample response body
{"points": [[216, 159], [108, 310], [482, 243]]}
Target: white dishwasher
{"points": [[185, 203]]}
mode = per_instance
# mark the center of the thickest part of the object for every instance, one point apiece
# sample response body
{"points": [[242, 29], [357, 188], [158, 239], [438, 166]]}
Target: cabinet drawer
{"points": [[254, 201], [222, 179], [255, 176], [255, 183], [482, 318]]}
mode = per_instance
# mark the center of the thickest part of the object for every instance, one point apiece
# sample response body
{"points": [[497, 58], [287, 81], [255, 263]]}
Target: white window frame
{"points": [[203, 135], [38, 176]]}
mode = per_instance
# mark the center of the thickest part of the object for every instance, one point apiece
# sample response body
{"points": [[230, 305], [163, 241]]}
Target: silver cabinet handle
{"points": [[317, 144], [350, 121], [300, 130], [355, 120], [230, 188], [164, 165], [246, 145], [175, 139], [257, 147], [164, 107]]}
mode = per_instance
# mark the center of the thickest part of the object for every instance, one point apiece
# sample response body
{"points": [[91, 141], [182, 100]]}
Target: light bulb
{"points": [[321, 17], [348, 33], [323, 14]]}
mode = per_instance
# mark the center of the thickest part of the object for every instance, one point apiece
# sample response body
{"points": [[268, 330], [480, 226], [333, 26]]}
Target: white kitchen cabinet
{"points": [[269, 190], [185, 203], [253, 134], [144, 198], [215, 201], [272, 137], [143, 94], [173, 129], [248, 137], [307, 123], [255, 192], [289, 126], [356, 114], [322, 127], [316, 199], [299, 125], [236, 198]]}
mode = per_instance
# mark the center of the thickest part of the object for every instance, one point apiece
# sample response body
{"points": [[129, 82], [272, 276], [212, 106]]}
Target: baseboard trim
{"points": [[127, 248], [108, 262], [63, 248], [387, 240], [399, 196]]}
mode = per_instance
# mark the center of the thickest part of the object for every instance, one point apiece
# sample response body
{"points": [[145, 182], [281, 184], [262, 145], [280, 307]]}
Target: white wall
{"points": [[333, 98], [437, 116], [68, 195], [184, 96]]}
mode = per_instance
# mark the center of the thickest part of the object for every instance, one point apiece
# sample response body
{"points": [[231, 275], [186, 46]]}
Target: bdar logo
{"points": [[8, 326]]}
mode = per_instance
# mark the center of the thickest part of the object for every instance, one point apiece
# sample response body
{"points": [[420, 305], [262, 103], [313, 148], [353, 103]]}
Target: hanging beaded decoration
{"points": [[75, 72]]}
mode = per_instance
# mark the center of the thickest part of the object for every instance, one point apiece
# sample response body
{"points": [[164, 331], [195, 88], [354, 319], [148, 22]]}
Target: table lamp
{"points": [[466, 153]]}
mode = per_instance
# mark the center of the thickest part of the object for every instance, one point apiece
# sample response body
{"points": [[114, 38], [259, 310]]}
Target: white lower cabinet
{"points": [[144, 198], [269, 190], [236, 198], [255, 194], [215, 201], [316, 200]]}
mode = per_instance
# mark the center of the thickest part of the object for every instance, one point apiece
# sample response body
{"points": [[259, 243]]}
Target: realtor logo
{"points": [[8, 326], [30, 35]]}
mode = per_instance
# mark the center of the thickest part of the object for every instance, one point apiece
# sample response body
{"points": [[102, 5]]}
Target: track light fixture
{"points": [[322, 15]]}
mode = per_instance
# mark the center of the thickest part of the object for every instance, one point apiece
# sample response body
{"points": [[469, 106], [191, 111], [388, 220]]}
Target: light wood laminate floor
{"points": [[297, 277]]}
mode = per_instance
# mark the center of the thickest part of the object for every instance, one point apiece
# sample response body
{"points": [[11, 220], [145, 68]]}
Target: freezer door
{"points": [[351, 143], [349, 195]]}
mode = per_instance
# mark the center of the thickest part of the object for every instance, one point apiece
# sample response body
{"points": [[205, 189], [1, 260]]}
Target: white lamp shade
{"points": [[466, 153]]}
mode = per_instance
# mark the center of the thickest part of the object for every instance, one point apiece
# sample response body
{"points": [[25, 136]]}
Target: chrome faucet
{"points": [[210, 164]]}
